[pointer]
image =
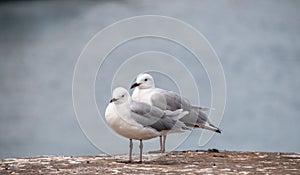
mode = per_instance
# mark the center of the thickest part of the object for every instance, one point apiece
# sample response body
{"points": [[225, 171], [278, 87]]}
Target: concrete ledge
{"points": [[177, 162]]}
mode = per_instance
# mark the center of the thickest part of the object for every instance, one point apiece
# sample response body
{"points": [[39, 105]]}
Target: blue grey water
{"points": [[258, 43]]}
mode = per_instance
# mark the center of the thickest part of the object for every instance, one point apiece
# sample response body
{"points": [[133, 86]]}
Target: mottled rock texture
{"points": [[177, 162]]}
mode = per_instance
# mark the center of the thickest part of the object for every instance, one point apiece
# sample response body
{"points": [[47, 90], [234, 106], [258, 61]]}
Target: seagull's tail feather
{"points": [[210, 127], [203, 108], [193, 118]]}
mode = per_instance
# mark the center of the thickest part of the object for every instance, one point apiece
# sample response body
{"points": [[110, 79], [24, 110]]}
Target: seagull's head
{"points": [[120, 95], [144, 81]]}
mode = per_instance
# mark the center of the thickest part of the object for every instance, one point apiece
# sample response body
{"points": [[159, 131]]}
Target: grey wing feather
{"points": [[170, 100], [146, 109], [164, 124], [145, 114], [151, 116]]}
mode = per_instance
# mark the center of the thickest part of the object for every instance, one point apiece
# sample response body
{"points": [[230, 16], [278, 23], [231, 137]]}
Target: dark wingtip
{"points": [[219, 131]]}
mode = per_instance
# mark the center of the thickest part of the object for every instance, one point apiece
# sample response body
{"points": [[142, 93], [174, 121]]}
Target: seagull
{"points": [[140, 121], [145, 91]]}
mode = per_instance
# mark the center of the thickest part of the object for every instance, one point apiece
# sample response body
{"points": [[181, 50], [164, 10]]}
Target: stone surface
{"points": [[177, 162]]}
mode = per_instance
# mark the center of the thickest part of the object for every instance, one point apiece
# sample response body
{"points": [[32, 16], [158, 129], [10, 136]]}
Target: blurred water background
{"points": [[257, 43]]}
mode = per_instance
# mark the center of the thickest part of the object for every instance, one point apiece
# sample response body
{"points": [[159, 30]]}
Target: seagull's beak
{"points": [[134, 85], [112, 100]]}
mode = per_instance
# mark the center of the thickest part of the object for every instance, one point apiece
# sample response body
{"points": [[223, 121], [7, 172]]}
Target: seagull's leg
{"points": [[141, 150], [161, 143], [130, 150], [163, 148]]}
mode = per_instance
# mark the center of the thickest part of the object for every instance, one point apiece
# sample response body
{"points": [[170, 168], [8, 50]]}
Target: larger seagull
{"points": [[140, 121], [145, 91]]}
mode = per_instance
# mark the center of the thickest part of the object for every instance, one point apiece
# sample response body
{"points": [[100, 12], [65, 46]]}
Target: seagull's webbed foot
{"points": [[125, 161], [156, 151]]}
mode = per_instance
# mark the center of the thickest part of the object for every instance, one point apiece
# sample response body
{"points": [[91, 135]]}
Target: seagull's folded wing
{"points": [[151, 116], [170, 100]]}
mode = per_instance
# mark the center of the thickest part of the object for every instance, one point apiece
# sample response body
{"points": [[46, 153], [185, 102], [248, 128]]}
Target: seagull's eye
{"points": [[146, 79], [123, 95]]}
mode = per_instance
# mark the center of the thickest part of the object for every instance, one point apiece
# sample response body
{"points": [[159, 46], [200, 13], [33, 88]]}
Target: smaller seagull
{"points": [[145, 91], [141, 121]]}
